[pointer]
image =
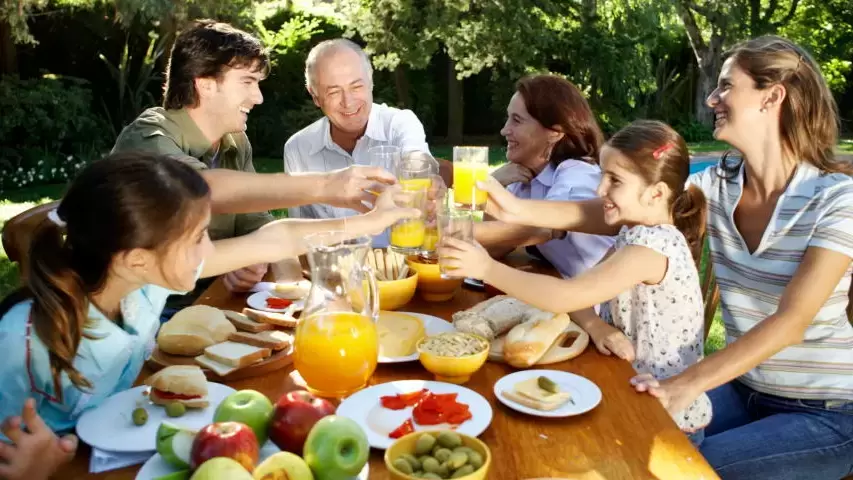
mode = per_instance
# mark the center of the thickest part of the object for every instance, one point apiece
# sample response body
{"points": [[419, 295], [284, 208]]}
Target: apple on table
{"points": [[293, 418], [336, 448], [233, 440], [250, 407]]}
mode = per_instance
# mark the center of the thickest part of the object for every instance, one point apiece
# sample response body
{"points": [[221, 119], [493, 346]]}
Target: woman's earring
{"points": [[762, 110]]}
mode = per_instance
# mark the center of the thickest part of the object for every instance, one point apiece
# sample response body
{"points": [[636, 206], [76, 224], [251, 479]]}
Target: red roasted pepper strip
{"points": [[406, 428]]}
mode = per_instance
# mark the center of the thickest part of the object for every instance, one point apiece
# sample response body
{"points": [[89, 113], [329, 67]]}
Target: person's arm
{"points": [[285, 238], [818, 274], [582, 216], [497, 236], [624, 269]]}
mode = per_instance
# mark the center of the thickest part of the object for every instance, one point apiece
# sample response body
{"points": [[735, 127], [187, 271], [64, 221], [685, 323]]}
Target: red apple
{"points": [[233, 440], [294, 415]]}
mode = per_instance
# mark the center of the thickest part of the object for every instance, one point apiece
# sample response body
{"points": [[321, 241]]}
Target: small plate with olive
{"points": [[127, 421], [547, 393]]}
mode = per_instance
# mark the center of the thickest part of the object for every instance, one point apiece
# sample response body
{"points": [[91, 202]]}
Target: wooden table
{"points": [[627, 436]]}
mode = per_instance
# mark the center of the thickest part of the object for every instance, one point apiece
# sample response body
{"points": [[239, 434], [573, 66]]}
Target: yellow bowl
{"points": [[450, 369], [393, 294], [431, 286], [406, 445]]}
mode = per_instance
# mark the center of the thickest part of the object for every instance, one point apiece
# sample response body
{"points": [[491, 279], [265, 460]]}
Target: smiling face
{"points": [[342, 89], [229, 99], [528, 142], [738, 104], [628, 199]]}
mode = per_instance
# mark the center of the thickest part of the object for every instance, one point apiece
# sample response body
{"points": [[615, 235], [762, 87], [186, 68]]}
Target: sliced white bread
{"points": [[245, 323], [277, 319], [192, 329], [236, 354], [275, 340], [214, 366]]}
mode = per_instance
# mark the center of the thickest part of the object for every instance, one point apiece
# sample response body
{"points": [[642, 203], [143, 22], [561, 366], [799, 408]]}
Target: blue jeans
{"points": [[754, 435]]}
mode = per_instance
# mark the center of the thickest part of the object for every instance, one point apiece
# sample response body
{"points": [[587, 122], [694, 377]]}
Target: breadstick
{"points": [[371, 261], [380, 264], [389, 265]]}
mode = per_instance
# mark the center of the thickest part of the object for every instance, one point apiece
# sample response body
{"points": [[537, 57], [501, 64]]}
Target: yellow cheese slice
{"points": [[530, 388], [399, 333]]}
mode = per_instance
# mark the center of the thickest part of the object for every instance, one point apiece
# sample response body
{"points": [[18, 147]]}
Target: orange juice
{"points": [[430, 239], [336, 352], [408, 234], [415, 184], [465, 176]]}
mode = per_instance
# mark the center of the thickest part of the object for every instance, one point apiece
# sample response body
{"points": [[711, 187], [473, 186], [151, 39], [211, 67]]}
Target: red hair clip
{"points": [[662, 149]]}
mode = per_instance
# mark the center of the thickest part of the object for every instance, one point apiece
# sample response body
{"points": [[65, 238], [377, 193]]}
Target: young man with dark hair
{"points": [[212, 84]]}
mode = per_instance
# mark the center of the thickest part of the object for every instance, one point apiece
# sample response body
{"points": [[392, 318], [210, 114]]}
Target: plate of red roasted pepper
{"points": [[390, 410], [269, 302]]}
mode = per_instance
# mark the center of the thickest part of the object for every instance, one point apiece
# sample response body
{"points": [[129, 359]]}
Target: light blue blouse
{"points": [[111, 360]]}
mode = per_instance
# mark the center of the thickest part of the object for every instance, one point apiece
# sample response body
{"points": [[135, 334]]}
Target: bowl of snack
{"points": [[438, 454], [453, 356], [395, 281], [431, 286]]}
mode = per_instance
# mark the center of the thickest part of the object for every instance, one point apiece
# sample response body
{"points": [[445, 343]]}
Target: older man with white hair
{"points": [[339, 78]]}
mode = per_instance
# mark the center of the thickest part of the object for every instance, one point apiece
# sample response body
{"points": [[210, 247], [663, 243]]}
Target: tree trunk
{"points": [[708, 57], [8, 50], [455, 105], [401, 81]]}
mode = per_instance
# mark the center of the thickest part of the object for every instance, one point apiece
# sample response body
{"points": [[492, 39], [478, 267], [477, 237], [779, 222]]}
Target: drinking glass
{"points": [[454, 223], [407, 235], [470, 165]]}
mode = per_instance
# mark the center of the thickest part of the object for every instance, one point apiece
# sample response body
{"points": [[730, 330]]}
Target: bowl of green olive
{"points": [[437, 455]]}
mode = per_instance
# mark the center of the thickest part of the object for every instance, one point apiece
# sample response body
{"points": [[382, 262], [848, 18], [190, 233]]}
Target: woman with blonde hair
{"points": [[780, 230]]}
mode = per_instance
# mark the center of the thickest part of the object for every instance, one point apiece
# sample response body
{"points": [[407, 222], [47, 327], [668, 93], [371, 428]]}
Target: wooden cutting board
{"points": [[567, 339], [276, 361]]}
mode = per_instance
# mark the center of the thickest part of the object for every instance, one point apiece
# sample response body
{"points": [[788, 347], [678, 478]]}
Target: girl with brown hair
{"points": [[780, 233], [130, 231], [652, 312], [553, 143]]}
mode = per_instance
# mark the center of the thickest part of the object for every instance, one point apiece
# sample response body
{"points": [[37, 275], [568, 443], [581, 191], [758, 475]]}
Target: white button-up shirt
{"points": [[570, 180], [312, 150]]}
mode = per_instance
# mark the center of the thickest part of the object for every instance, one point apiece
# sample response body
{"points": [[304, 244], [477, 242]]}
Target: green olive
{"points": [[430, 465], [466, 470], [548, 385], [403, 466], [458, 459], [414, 462], [442, 454], [140, 416], [449, 439], [475, 459], [176, 409], [424, 444], [431, 475]]}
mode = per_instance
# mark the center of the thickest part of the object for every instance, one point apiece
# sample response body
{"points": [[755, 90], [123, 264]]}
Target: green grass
{"points": [[845, 145], [709, 146]]}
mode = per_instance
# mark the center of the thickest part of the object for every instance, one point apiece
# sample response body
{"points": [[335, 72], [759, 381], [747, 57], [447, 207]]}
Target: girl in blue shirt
{"points": [[131, 230]]}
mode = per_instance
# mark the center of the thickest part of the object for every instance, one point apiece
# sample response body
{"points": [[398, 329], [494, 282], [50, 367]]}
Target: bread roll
{"points": [[496, 316], [193, 329], [184, 380], [527, 342]]}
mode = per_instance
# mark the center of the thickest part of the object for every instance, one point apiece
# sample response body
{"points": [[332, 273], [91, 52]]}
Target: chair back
{"points": [[18, 233]]}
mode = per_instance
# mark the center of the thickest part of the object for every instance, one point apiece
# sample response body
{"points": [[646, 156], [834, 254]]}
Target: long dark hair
{"points": [[128, 200], [205, 50], [555, 101], [659, 154]]}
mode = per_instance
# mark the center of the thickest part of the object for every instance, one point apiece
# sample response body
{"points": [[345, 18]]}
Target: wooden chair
{"points": [[18, 233]]}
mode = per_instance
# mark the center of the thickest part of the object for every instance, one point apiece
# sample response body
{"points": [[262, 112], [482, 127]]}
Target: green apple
{"points": [[182, 475], [174, 444], [336, 448], [247, 406], [221, 468], [283, 466]]}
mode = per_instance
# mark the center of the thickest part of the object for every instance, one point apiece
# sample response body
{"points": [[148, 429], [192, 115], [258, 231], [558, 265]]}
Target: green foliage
{"points": [[47, 131]]}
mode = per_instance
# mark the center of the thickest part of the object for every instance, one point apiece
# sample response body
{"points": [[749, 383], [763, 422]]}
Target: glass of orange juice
{"points": [[385, 156], [336, 346], [454, 223], [470, 165], [407, 236]]}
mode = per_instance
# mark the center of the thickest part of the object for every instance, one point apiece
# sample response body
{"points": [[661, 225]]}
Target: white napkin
{"points": [[102, 460]]}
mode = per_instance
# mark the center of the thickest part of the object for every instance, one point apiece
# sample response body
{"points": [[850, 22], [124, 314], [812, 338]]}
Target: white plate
{"points": [[157, 467], [365, 408], [110, 425], [585, 394], [432, 326], [258, 301]]}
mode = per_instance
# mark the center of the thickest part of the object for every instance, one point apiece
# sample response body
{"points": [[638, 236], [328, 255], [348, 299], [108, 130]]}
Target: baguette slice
{"points": [[527, 342], [275, 340], [276, 319], [236, 354], [246, 324], [214, 366]]}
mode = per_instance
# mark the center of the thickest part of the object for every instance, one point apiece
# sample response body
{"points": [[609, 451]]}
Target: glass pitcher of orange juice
{"points": [[336, 346]]}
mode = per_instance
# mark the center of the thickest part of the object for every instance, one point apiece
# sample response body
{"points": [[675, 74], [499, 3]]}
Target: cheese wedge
{"points": [[539, 398], [399, 333]]}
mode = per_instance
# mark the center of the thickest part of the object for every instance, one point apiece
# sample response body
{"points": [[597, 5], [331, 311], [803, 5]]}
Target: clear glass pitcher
{"points": [[336, 346]]}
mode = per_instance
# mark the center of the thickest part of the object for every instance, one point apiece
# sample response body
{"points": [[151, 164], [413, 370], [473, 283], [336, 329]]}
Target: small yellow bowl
{"points": [[431, 286], [406, 445], [452, 369], [393, 294]]}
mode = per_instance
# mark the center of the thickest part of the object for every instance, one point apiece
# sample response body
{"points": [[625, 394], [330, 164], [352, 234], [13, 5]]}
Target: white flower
{"points": [[69, 157]]}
